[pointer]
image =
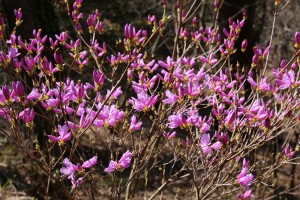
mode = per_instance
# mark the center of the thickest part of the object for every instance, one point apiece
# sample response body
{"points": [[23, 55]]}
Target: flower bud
{"points": [[297, 40], [244, 45], [245, 14], [164, 3], [18, 14], [195, 21]]}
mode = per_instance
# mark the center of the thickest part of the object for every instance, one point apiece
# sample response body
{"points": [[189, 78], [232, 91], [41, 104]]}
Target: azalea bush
{"points": [[194, 116]]}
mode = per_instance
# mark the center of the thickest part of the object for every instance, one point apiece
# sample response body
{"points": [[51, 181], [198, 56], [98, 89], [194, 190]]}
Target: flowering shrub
{"points": [[193, 105]]}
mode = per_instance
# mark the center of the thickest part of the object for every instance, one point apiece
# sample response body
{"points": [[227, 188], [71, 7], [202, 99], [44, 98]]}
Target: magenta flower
{"points": [[89, 163], [144, 102], [18, 14], [99, 78], [62, 38], [18, 91], [108, 116], [13, 53], [134, 126], [206, 145], [288, 153], [76, 183], [64, 135], [70, 169], [172, 98], [83, 123], [297, 40], [113, 165], [27, 116], [244, 45], [169, 136], [151, 19], [115, 93], [288, 80], [210, 60], [245, 178], [247, 195], [123, 163], [176, 120], [167, 65], [33, 95]]}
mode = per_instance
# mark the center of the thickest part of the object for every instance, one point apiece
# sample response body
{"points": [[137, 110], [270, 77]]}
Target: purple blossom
{"points": [[76, 183], [98, 78], [134, 126], [168, 64], [209, 60], [247, 195], [176, 120], [244, 45], [89, 163], [113, 165], [288, 153], [206, 146], [70, 169], [27, 115], [18, 14], [245, 178], [18, 90], [12, 52], [33, 95], [64, 135], [169, 136], [123, 163], [172, 98], [297, 40], [143, 101]]}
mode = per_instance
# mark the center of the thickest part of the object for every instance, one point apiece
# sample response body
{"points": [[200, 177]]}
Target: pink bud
{"points": [[58, 57], [245, 14], [297, 40], [164, 2], [244, 45]]}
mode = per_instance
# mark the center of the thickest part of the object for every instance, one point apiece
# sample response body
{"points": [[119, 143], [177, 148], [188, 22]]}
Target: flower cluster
{"points": [[196, 95]]}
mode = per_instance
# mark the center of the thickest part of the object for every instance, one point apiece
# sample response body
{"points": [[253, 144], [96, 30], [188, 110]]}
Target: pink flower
{"points": [[172, 98], [205, 144], [297, 40], [144, 102], [33, 95], [76, 183], [176, 120], [169, 136], [167, 65], [64, 135], [90, 163], [210, 60], [247, 195], [245, 178], [123, 163], [27, 115], [288, 153], [134, 126], [113, 165], [70, 169]]}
